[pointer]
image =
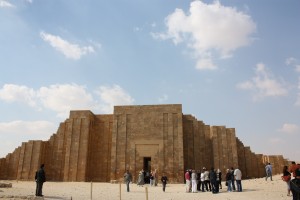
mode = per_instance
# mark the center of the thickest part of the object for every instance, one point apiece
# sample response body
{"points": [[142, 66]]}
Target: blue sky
{"points": [[232, 63]]}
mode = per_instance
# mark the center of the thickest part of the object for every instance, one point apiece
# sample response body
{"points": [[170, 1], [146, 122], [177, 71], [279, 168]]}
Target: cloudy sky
{"points": [[232, 63]]}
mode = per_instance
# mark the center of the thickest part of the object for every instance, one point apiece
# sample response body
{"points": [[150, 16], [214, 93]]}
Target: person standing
{"points": [[206, 179], [141, 180], [151, 179], [187, 181], [219, 178], [202, 180], [194, 181], [228, 180], [40, 178], [155, 179], [238, 179], [213, 181], [127, 179], [232, 178], [164, 180], [268, 171]]}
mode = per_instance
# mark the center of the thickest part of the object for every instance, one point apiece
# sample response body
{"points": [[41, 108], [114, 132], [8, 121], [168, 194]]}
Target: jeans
{"points": [[229, 189], [239, 185], [269, 174], [127, 185], [233, 185]]}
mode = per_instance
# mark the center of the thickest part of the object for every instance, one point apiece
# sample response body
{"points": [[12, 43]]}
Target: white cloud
{"points": [[61, 98], [27, 127], [111, 96], [263, 84], [289, 128], [291, 61], [6, 4], [18, 93], [209, 29], [162, 99], [72, 51], [13, 133], [66, 97]]}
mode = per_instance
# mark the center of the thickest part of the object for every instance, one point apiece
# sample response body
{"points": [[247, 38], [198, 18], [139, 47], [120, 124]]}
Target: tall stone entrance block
{"points": [[89, 147], [147, 137]]}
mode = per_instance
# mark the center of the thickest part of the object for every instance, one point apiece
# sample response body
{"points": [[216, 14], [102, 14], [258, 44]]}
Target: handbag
{"points": [[286, 178]]}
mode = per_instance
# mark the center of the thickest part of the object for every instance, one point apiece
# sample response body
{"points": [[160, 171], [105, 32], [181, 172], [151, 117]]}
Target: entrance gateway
{"points": [[147, 169], [147, 164]]}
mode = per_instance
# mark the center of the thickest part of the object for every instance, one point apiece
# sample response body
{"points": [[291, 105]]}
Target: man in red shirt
{"points": [[293, 168], [187, 181]]}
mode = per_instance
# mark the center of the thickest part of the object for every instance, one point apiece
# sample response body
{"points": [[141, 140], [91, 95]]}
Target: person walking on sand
{"points": [[40, 178], [164, 180], [268, 171], [127, 179], [286, 177]]}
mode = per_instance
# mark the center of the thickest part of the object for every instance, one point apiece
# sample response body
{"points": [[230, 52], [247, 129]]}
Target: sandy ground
{"points": [[257, 189]]}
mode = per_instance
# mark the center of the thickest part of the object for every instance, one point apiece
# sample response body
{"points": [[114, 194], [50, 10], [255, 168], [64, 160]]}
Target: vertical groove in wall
{"points": [[78, 149]]}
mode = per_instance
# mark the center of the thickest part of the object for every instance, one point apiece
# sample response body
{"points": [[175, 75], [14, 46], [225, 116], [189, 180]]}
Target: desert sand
{"points": [[258, 189]]}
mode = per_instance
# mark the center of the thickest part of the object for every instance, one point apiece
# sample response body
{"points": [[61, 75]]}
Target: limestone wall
{"points": [[99, 155], [147, 132], [88, 147]]}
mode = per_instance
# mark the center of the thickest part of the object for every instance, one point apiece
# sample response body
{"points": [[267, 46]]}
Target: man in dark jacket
{"points": [[295, 185], [40, 178], [127, 179], [213, 181]]}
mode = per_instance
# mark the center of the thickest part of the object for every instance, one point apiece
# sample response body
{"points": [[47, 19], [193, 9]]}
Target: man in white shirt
{"points": [[238, 178]]}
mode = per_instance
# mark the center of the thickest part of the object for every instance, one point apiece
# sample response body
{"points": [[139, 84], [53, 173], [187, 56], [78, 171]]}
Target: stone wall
{"points": [[88, 147], [150, 134]]}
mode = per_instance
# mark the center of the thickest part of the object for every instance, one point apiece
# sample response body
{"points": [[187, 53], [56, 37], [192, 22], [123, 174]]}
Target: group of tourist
{"points": [[211, 180], [143, 178], [206, 180], [293, 185]]}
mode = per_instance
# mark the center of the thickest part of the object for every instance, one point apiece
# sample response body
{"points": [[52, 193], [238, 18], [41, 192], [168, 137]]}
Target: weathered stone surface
{"points": [[89, 147]]}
